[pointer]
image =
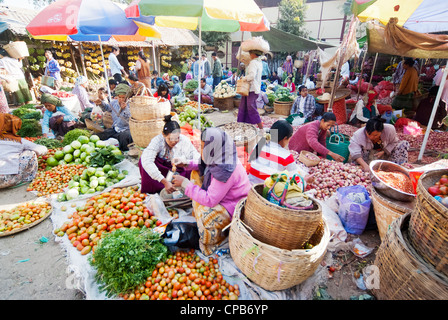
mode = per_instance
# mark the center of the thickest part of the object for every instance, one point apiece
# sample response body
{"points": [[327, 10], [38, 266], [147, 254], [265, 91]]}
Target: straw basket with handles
{"points": [[278, 226], [308, 158], [242, 87], [270, 267], [17, 49], [144, 107]]}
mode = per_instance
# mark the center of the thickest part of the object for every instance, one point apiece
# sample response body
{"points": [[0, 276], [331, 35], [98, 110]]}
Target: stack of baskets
{"points": [[267, 241], [413, 256], [147, 118]]}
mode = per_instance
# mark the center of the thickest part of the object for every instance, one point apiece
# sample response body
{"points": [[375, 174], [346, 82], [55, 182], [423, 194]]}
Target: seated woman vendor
{"points": [[57, 120], [269, 157], [156, 159], [18, 156], [312, 137], [222, 182], [377, 140]]}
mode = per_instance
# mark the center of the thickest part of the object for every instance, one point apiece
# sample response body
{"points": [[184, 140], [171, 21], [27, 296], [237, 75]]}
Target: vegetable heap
{"points": [[283, 94], [125, 258], [440, 190], [74, 134], [184, 276], [22, 215], [30, 128], [224, 90], [191, 85], [54, 180], [190, 116], [330, 175]]}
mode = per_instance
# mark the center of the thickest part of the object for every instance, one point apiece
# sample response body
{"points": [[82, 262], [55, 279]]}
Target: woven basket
{"points": [[307, 161], [143, 132], [236, 102], [403, 274], [387, 210], [269, 267], [107, 119], [277, 226], [28, 226], [242, 87], [17, 49], [148, 107], [243, 134], [428, 228], [95, 127], [283, 108], [224, 103]]}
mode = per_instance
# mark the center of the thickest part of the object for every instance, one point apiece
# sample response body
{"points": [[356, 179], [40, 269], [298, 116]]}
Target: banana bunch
{"points": [[59, 54], [66, 55], [131, 64], [68, 64]]}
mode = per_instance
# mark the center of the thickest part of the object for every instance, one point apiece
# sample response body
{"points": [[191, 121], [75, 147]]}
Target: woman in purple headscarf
{"points": [[219, 182]]}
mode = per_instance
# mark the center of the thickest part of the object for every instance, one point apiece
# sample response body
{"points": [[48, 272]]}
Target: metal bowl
{"points": [[385, 189]]}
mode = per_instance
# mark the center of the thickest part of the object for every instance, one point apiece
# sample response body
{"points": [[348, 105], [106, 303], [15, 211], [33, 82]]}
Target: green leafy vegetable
{"points": [[125, 257], [27, 113], [30, 128], [74, 134], [192, 84], [104, 156], [49, 143]]}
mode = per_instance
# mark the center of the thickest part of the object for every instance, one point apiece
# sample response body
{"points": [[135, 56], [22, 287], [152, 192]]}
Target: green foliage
{"points": [[74, 134], [292, 17], [30, 128], [49, 143], [27, 112], [213, 38], [125, 257], [104, 156]]}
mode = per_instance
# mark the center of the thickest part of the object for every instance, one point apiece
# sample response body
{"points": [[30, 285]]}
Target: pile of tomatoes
{"points": [[54, 180], [42, 160], [62, 94], [185, 276], [22, 215], [106, 212]]}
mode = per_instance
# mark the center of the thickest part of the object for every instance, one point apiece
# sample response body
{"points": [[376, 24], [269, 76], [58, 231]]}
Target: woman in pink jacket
{"points": [[221, 183]]}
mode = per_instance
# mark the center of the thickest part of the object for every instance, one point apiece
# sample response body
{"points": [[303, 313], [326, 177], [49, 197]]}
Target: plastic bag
{"points": [[354, 215], [97, 114], [182, 233]]}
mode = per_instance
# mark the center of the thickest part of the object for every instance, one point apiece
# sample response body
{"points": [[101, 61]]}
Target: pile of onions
{"points": [[330, 175]]}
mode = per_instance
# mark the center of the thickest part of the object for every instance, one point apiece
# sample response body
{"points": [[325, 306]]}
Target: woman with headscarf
{"points": [[120, 116], [288, 65], [143, 69], [81, 92], [365, 109], [57, 120], [188, 78], [13, 68], [18, 159], [247, 111], [157, 158], [220, 181], [53, 69]]}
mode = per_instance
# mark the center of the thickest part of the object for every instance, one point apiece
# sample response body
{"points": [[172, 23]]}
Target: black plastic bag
{"points": [[181, 234]]}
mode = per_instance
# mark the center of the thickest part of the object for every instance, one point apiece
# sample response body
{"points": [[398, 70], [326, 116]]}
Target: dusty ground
{"points": [[36, 269]]}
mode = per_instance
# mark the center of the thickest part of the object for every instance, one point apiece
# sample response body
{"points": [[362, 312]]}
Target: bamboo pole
{"points": [[73, 58], [373, 69], [81, 51]]}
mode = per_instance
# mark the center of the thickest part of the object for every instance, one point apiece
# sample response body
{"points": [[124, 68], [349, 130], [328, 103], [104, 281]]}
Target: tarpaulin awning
{"points": [[281, 41], [398, 41]]}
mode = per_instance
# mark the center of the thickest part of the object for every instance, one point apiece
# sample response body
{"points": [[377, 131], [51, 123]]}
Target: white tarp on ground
{"points": [[85, 274]]}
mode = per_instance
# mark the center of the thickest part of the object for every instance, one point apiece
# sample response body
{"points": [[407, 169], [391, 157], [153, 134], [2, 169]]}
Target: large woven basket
{"points": [[148, 108], [270, 267], [277, 226], [308, 158], [17, 49], [387, 210], [428, 228], [283, 108], [224, 104], [402, 273], [143, 132], [243, 134]]}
